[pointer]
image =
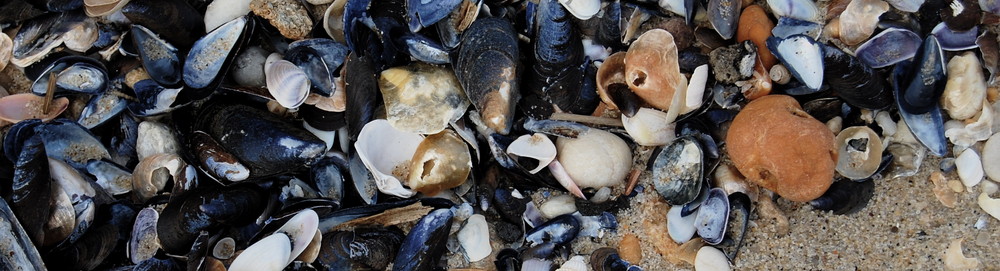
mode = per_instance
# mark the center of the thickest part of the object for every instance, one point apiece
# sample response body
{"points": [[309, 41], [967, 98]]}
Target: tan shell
{"points": [[759, 142], [442, 161], [18, 107], [966, 88], [6, 50], [333, 20], [652, 70], [858, 163], [98, 8], [422, 98], [147, 180], [611, 71], [290, 17], [859, 20]]}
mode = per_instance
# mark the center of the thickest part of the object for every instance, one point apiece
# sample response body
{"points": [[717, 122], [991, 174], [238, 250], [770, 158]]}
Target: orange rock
{"points": [[777, 145], [651, 68], [756, 27], [654, 209], [630, 250]]}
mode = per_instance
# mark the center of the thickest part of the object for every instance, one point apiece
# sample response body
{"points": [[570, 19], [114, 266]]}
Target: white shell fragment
{"points": [[680, 228], [537, 146], [475, 238], [696, 89], [649, 127], [287, 83], [991, 152], [576, 263], [268, 254], [300, 230], [966, 133], [386, 152], [955, 260], [595, 159], [582, 9], [804, 10], [965, 90], [970, 168], [220, 12], [990, 205], [558, 205], [711, 258]]}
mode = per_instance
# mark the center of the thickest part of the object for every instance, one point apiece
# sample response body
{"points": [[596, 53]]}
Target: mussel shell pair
{"points": [[207, 209]]}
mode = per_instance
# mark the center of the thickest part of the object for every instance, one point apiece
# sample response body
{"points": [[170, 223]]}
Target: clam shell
{"points": [[711, 258], [576, 155], [300, 230], [652, 70], [965, 90], [6, 50], [333, 20], [536, 146], [859, 151], [713, 217], [475, 238], [386, 152], [287, 83], [98, 8], [268, 254], [648, 127]]}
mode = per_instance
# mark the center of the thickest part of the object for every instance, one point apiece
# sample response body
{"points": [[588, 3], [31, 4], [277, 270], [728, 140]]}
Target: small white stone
{"points": [[596, 158], [155, 137], [966, 87], [475, 238], [970, 168], [558, 205], [711, 258], [602, 195], [990, 187], [681, 229], [991, 153]]}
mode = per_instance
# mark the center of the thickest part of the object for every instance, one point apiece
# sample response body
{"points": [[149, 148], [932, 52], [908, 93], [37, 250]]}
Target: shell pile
{"points": [[473, 134]]}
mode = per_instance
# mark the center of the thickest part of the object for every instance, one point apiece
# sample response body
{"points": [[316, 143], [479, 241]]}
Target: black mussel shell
{"points": [[423, 246], [362, 91], [487, 67], [855, 82], [176, 20], [207, 209], [159, 57], [678, 170], [73, 75], [320, 59], [560, 230], [845, 197]]}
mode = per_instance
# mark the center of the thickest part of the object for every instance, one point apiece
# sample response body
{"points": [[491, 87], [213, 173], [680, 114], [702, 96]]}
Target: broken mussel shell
{"points": [[757, 146], [860, 152], [802, 56], [713, 217], [918, 86]]}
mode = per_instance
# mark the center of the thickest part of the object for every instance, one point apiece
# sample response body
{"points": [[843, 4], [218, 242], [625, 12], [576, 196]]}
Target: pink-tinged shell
{"points": [[18, 107]]}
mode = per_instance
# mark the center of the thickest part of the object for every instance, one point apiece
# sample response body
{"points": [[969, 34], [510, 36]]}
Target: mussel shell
{"points": [[951, 40], [143, 243], [88, 252], [260, 140], [74, 75], [845, 197], [38, 36], [921, 94], [713, 217], [19, 252], [422, 14], [363, 248], [678, 170], [159, 57], [215, 160], [927, 127], [425, 49], [724, 16], [32, 189], [362, 92], [327, 176], [560, 230], [487, 67], [207, 209], [854, 81], [362, 185], [738, 225], [178, 22], [152, 99], [320, 59], [888, 47], [790, 26], [14, 139], [101, 108], [803, 57], [422, 247], [112, 177], [72, 143], [207, 63]]}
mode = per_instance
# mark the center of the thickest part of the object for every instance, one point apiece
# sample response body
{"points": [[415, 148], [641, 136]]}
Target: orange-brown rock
{"points": [[651, 68], [777, 145], [756, 27], [629, 249]]}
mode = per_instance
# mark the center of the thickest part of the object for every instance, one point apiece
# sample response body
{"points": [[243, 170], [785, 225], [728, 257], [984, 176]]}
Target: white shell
{"points": [[805, 57], [709, 258], [955, 260], [798, 9], [300, 230], [220, 12], [154, 138], [312, 249], [680, 228], [965, 90], [475, 238], [596, 158], [696, 89], [990, 205], [649, 127], [576, 263], [582, 9], [268, 254], [991, 152], [384, 149], [558, 205], [964, 135], [537, 146], [288, 83], [970, 168]]}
